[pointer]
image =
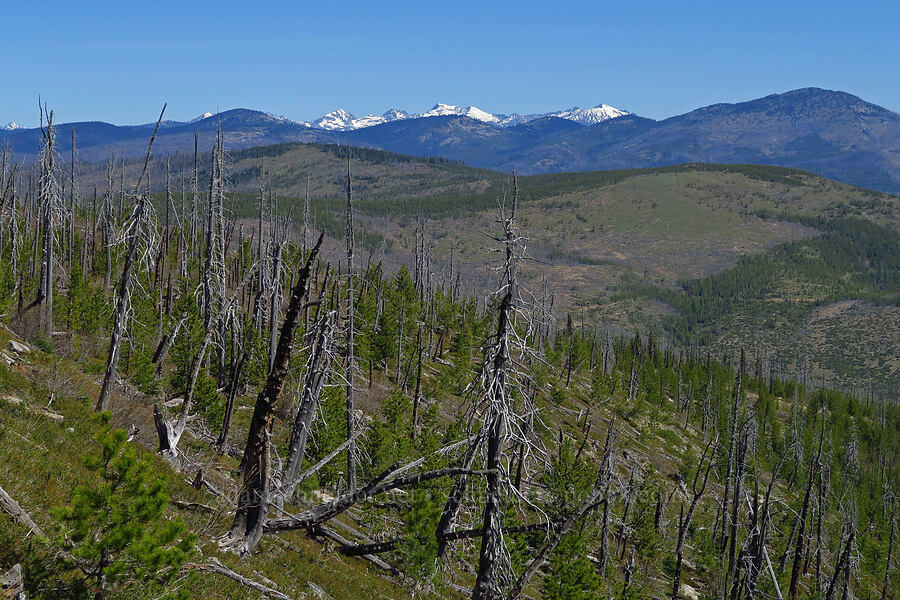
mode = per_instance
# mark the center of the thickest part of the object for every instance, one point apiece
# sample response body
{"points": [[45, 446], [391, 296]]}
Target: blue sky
{"points": [[116, 62]]}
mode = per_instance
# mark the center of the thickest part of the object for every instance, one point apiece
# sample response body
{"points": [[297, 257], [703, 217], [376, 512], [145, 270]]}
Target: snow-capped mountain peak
{"points": [[343, 120], [395, 114], [11, 126], [339, 120], [590, 116], [442, 110], [476, 113], [473, 112]]}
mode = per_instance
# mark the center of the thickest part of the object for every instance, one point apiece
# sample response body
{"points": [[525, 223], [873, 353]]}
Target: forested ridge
{"points": [[195, 402]]}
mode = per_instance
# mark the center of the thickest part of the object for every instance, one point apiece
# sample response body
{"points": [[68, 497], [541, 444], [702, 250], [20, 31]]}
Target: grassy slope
{"points": [[41, 462]]}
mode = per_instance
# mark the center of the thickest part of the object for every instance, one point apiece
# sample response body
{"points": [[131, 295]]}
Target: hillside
{"points": [[614, 243], [624, 467]]}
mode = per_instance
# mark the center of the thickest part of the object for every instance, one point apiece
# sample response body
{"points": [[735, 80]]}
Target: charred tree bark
{"points": [[253, 499], [887, 562], [487, 584], [48, 200], [732, 446], [601, 488]]}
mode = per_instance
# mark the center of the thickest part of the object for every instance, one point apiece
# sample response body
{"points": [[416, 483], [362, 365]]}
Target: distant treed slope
{"points": [[835, 134], [784, 299]]}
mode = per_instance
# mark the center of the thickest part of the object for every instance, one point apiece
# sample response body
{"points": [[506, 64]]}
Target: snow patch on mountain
{"points": [[12, 126]]}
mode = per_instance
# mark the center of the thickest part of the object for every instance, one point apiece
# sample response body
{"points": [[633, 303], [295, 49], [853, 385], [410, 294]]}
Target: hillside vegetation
{"points": [[215, 406], [614, 243]]}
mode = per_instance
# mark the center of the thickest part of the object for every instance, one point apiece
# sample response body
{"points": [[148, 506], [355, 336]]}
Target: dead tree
{"points": [[169, 433], [233, 386], [140, 229], [318, 368], [254, 495], [49, 202], [351, 362], [755, 546], [107, 212], [504, 421], [732, 448], [745, 444], [843, 562], [684, 523], [887, 562], [166, 344], [601, 488], [802, 517]]}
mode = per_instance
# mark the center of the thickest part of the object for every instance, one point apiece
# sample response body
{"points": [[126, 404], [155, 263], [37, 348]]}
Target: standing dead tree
{"points": [[318, 368], [254, 495], [801, 521], [601, 489], [698, 487], [754, 552], [170, 433], [351, 362], [732, 449], [51, 208], [138, 232], [504, 420]]}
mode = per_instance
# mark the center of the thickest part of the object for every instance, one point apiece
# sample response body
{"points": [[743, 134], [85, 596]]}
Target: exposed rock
{"points": [[317, 592], [687, 592]]}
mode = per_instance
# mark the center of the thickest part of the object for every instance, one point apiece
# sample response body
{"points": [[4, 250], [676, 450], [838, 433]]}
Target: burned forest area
{"points": [[208, 391]]}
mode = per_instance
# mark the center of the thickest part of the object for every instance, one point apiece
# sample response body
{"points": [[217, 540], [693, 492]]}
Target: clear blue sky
{"points": [[118, 62]]}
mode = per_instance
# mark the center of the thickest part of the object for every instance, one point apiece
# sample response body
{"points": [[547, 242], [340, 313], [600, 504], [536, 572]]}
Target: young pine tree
{"points": [[115, 533]]}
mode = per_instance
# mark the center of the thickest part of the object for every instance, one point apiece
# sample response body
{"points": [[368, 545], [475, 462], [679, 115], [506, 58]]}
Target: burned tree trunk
{"points": [[732, 446], [801, 518], [169, 434], [497, 419], [887, 562], [48, 201], [685, 523], [318, 366], [253, 499], [351, 359], [136, 229], [601, 488]]}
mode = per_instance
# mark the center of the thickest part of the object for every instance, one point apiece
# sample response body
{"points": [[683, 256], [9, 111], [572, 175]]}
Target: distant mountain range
{"points": [[341, 120], [832, 133]]}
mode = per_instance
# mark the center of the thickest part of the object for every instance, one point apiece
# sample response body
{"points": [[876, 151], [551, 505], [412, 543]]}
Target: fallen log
{"points": [[19, 515], [214, 566]]}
